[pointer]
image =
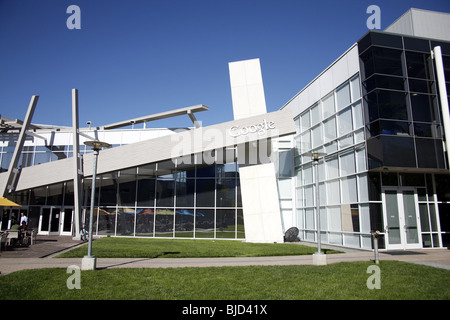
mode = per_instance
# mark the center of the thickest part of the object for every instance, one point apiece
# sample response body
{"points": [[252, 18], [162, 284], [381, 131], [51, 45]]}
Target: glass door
{"points": [[401, 219], [67, 222], [49, 220]]}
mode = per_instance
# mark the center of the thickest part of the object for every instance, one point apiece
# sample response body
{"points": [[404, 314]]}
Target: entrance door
{"points": [[67, 222], [401, 218]]}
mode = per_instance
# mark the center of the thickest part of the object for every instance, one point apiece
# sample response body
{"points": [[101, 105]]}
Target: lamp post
{"points": [[319, 258], [89, 261]]}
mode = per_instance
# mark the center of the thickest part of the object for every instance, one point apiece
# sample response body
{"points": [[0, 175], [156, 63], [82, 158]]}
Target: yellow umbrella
{"points": [[8, 203]]}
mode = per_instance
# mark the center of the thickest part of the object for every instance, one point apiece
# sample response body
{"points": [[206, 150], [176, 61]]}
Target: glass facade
{"points": [[171, 199], [334, 126], [402, 118]]}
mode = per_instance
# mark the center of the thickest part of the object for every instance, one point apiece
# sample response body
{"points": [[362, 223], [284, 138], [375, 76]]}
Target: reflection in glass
{"points": [[204, 223], [226, 223], [164, 222]]}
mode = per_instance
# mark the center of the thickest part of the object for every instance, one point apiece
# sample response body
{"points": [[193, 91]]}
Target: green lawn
{"points": [[347, 280], [111, 247]]}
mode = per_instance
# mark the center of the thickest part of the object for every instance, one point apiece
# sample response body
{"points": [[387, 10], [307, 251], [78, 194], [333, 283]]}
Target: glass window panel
{"points": [[345, 122], [309, 195], [284, 188], [332, 168], [361, 159], [305, 121], [343, 96], [204, 223], [307, 174], [309, 219], [165, 192], [329, 127], [434, 222], [185, 192], [184, 223], [317, 136], [226, 223], [424, 220], [347, 163], [240, 229], [417, 65], [205, 192], [315, 114], [297, 124], [334, 219], [346, 141], [363, 188], [306, 141], [333, 192], [127, 188], [423, 130], [164, 222], [226, 193], [349, 190], [422, 107], [146, 192], [355, 89], [422, 86], [144, 222], [358, 115], [328, 106], [392, 105], [125, 221], [108, 189]]}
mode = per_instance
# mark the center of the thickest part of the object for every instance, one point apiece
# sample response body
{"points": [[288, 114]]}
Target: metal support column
{"points": [[11, 179], [77, 163]]}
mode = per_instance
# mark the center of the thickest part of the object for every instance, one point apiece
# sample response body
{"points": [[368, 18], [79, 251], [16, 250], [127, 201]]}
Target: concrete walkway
{"points": [[40, 256]]}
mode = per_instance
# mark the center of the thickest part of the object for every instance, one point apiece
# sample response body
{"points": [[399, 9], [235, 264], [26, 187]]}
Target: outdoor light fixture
{"points": [[89, 261], [318, 258]]}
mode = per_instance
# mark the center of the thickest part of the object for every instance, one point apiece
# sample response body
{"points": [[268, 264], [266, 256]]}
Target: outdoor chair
{"points": [[13, 235], [3, 237]]}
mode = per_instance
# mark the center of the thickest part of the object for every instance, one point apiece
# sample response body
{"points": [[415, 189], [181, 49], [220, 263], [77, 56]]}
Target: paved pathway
{"points": [[40, 256]]}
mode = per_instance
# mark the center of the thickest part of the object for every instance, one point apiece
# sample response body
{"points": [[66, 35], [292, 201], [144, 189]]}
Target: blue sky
{"points": [[133, 58]]}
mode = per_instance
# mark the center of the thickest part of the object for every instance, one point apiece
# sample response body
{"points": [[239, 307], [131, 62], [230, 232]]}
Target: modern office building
{"points": [[378, 118]]}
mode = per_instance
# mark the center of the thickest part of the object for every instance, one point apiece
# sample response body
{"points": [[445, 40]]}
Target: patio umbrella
{"points": [[8, 203]]}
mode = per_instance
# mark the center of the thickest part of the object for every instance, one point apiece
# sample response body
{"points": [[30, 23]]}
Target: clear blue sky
{"points": [[138, 57]]}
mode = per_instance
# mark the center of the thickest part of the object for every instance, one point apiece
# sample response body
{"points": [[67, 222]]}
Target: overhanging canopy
{"points": [[8, 203]]}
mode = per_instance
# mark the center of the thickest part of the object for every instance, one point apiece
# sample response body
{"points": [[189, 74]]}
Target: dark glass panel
{"points": [[164, 222], [127, 188], [185, 192], [423, 130], [384, 82], [374, 186], [389, 179], [423, 107], [443, 187], [386, 40], [146, 192], [204, 223], [184, 223], [164, 192], [205, 192], [226, 223], [417, 65], [421, 86], [426, 152], [412, 179], [398, 151], [392, 105], [416, 44], [226, 192], [389, 128], [383, 61], [108, 189]]}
